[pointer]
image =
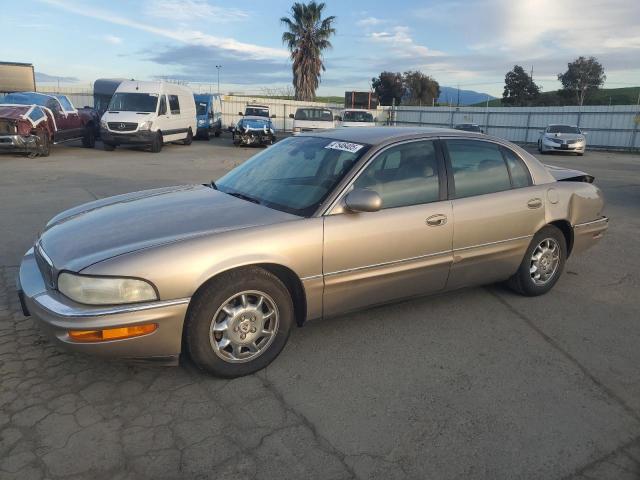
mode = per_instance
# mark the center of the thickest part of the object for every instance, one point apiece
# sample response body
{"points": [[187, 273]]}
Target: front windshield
{"points": [[201, 108], [254, 123], [355, 116], [256, 112], [295, 175], [316, 114], [562, 129], [134, 102]]}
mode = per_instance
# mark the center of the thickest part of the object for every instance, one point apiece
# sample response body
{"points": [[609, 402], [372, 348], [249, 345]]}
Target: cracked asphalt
{"points": [[477, 383]]}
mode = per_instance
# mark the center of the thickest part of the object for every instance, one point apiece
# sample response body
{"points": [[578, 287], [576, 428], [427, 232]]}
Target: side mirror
{"points": [[241, 114], [291, 115], [273, 116], [361, 200]]}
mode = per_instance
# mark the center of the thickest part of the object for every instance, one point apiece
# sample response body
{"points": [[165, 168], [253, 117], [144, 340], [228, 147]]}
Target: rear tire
{"points": [[45, 144], [108, 147], [225, 321], [156, 144], [189, 139], [89, 139], [550, 248]]}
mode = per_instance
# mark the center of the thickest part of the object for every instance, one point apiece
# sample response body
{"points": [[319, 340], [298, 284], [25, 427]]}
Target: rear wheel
{"points": [[156, 144], [89, 139], [542, 264], [239, 323]]}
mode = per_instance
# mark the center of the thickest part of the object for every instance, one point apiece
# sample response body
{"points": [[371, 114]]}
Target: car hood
{"points": [[13, 112], [96, 231], [129, 117]]}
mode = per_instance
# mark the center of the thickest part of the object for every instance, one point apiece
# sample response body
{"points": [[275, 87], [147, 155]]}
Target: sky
{"points": [[471, 44]]}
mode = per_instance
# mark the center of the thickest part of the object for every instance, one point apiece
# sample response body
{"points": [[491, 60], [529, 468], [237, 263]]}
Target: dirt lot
{"points": [[479, 383]]}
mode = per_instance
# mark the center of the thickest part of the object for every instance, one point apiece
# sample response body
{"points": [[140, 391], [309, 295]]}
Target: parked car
{"points": [[209, 115], [317, 225], [103, 90], [31, 122], [254, 131], [356, 118], [469, 127], [562, 138], [149, 114], [308, 119]]}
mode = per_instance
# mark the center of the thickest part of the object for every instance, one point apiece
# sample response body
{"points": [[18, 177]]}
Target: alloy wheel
{"points": [[545, 261]]}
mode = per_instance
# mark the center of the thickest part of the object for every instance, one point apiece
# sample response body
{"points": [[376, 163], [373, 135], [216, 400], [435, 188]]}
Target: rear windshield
{"points": [[316, 114], [355, 116], [562, 129], [134, 102]]}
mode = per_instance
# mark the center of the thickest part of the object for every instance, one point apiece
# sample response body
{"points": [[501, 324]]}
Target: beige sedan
{"points": [[317, 225]]}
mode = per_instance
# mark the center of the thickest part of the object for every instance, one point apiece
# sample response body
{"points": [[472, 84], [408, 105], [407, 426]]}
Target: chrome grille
{"points": [[122, 126], [45, 266]]}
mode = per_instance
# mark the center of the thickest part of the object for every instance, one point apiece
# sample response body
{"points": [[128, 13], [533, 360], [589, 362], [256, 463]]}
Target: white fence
{"points": [[614, 127]]}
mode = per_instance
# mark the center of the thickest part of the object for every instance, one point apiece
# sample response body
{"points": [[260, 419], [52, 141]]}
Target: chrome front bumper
{"points": [[587, 234], [19, 143], [58, 315]]}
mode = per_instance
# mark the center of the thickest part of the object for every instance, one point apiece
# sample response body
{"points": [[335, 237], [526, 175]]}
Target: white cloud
{"points": [[184, 10], [112, 39], [399, 41], [369, 22], [184, 35]]}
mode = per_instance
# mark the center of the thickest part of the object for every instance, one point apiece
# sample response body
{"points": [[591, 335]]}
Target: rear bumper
{"points": [[587, 234], [58, 315], [19, 143], [144, 137]]}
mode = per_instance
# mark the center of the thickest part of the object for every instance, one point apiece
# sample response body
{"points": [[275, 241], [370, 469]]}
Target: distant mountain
{"points": [[602, 96], [467, 97]]}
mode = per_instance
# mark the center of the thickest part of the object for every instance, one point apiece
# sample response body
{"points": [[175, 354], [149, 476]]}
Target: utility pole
{"points": [[458, 101], [218, 67]]}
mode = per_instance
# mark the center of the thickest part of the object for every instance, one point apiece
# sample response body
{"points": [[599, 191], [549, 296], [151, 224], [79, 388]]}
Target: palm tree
{"points": [[307, 36]]}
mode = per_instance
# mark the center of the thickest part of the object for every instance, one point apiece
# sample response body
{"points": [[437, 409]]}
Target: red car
{"points": [[31, 122]]}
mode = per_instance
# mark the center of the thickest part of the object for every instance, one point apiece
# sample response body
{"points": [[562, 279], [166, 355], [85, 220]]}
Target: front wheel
{"points": [[89, 139], [189, 139], [44, 143], [239, 323], [542, 264], [156, 144]]}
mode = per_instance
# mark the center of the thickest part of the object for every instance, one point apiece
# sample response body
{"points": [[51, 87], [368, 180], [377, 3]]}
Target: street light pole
{"points": [[218, 67]]}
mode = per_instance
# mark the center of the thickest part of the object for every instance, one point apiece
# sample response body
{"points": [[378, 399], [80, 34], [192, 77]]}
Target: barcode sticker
{"points": [[345, 146]]}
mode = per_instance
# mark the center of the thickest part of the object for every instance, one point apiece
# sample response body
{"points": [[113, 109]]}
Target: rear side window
{"points": [[174, 104], [519, 173], [478, 168]]}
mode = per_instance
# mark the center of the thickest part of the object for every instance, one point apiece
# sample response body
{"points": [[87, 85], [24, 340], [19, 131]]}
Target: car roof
{"points": [[376, 135]]}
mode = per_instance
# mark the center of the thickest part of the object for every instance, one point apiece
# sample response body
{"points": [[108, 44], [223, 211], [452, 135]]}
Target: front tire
{"points": [[89, 139], [239, 323], [189, 139], [156, 145], [542, 264], [45, 144]]}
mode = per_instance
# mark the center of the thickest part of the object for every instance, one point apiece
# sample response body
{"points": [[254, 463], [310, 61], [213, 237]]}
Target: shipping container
{"points": [[17, 77]]}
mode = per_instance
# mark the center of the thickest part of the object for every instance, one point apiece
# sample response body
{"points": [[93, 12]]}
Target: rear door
{"points": [[402, 250], [496, 211]]}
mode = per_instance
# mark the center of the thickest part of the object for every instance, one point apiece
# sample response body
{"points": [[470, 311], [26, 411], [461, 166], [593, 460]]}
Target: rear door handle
{"points": [[534, 203], [437, 220]]}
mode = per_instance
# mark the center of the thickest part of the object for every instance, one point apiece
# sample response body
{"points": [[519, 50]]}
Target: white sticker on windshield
{"points": [[345, 146]]}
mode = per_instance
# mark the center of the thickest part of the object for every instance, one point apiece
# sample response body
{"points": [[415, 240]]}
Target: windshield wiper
{"points": [[244, 197]]}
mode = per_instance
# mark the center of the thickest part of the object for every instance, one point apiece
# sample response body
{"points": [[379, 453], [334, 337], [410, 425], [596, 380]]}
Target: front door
{"points": [[496, 211], [402, 250]]}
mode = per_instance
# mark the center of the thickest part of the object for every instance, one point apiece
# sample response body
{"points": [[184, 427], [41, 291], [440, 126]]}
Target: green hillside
{"points": [[603, 96]]}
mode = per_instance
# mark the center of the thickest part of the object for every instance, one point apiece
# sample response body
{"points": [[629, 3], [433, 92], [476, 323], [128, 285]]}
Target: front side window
{"points": [[478, 168], [403, 175], [295, 175], [174, 104], [162, 109], [134, 102]]}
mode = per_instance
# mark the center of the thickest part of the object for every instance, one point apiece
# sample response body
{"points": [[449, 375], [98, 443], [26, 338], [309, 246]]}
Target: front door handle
{"points": [[437, 220], [534, 203]]}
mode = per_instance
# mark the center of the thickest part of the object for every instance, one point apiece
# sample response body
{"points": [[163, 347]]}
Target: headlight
{"points": [[200, 122], [145, 125], [105, 290], [103, 124]]}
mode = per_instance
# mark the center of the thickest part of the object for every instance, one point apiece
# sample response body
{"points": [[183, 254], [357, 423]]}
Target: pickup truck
{"points": [[31, 122]]}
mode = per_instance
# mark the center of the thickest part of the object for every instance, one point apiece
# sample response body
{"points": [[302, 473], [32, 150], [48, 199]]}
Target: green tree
{"points": [[307, 36], [422, 89], [389, 87], [519, 88], [583, 76]]}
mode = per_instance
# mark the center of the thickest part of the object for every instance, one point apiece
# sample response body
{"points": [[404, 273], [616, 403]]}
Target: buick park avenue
{"points": [[317, 225]]}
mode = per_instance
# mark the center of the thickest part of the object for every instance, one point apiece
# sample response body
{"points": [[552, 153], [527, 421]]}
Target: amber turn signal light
{"points": [[112, 333]]}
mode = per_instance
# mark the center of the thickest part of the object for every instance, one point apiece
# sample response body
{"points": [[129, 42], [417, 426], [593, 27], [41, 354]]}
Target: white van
{"points": [[149, 113], [354, 117], [308, 119]]}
